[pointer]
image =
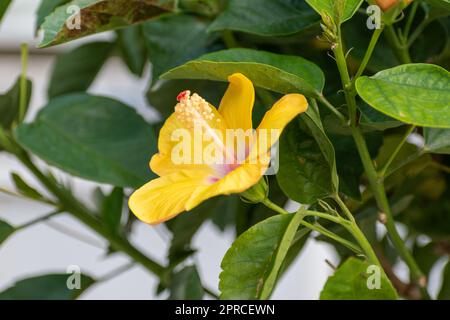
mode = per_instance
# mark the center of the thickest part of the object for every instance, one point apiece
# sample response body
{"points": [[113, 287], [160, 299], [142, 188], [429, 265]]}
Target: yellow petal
{"points": [[276, 119], [162, 163], [237, 181], [164, 198], [237, 103]]}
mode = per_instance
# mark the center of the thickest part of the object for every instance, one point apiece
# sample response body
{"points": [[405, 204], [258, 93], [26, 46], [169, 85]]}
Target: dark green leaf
{"points": [[132, 48], [75, 71], [186, 285], [24, 188], [96, 138], [9, 104], [98, 16], [304, 173], [175, 39], [266, 17], [279, 73], [426, 256], [415, 93], [444, 293], [437, 140], [252, 265], [111, 211], [372, 119], [5, 231], [45, 8], [350, 282], [163, 95], [3, 7], [442, 4], [46, 287]]}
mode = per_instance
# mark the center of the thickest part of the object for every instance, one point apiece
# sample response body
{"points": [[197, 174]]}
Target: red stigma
{"points": [[182, 95]]}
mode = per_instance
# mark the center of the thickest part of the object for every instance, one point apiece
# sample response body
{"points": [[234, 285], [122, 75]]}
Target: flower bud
{"points": [[386, 5], [257, 193]]}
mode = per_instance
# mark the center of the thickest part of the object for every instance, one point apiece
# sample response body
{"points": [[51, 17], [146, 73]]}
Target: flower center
{"points": [[193, 110]]}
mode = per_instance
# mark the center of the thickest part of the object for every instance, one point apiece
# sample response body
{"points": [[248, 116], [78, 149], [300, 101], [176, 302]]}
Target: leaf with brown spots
{"points": [[96, 16]]}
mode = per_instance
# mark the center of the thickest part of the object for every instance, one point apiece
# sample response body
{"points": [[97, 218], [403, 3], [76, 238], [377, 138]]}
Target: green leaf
{"points": [[4, 5], [132, 48], [169, 45], [111, 210], [98, 16], [437, 140], [5, 231], [45, 8], [96, 138], [186, 285], [24, 188], [266, 17], [426, 256], [252, 265], [442, 4], [339, 10], [162, 95], [279, 73], [444, 293], [372, 119], [9, 104], [305, 173], [46, 287], [75, 70], [414, 93], [350, 282]]}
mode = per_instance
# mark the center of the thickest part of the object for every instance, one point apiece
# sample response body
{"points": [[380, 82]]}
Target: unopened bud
{"points": [[386, 5], [257, 193]]}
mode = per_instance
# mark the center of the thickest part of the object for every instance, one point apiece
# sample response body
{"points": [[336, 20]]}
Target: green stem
{"points": [[372, 175], [229, 39], [23, 83], [382, 171], [379, 192], [401, 50], [411, 16], [335, 111], [40, 219], [373, 42], [416, 34], [79, 211]]}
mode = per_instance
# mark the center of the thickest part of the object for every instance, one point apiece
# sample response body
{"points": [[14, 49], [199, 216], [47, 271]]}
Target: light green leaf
{"points": [[9, 104], [96, 138], [252, 265], [98, 16], [75, 70], [305, 174], [339, 10], [45, 8], [350, 282], [437, 140], [279, 73], [266, 17], [169, 45], [418, 94], [186, 285], [47, 287], [442, 4], [5, 231]]}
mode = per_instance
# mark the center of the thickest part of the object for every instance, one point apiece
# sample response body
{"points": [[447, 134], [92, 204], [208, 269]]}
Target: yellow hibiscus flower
{"points": [[183, 185]]}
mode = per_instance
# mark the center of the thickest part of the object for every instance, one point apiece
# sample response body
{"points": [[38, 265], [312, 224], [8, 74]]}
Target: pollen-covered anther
{"points": [[193, 109]]}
